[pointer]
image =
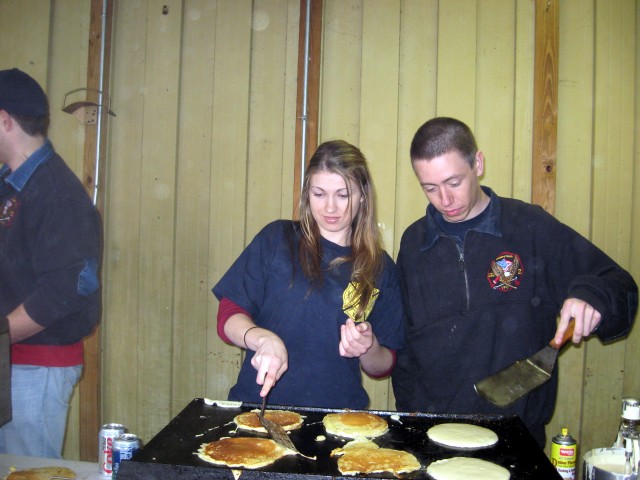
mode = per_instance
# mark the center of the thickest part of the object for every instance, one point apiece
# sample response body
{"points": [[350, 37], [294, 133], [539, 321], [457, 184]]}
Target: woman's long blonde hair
{"points": [[342, 158]]}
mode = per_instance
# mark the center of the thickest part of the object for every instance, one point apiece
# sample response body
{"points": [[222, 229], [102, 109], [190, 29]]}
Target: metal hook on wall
{"points": [[86, 111]]}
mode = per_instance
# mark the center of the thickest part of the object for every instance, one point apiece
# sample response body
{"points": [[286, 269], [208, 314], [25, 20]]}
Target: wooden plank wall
{"points": [[200, 160], [200, 157], [605, 76]]}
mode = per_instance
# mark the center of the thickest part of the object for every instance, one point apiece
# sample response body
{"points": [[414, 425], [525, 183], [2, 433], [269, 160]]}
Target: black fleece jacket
{"points": [[474, 310]]}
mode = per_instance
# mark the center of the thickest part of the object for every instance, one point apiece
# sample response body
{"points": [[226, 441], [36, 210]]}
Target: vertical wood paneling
{"points": [[495, 91], [523, 101], [289, 101], [228, 184], [266, 116], [121, 270], [631, 384], [379, 115], [613, 129], [573, 205], [378, 109], [340, 71], [26, 48], [157, 203], [457, 53], [68, 58], [417, 103], [191, 334]]}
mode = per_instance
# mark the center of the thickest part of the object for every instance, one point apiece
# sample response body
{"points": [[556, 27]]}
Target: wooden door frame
{"points": [[545, 105], [97, 77]]}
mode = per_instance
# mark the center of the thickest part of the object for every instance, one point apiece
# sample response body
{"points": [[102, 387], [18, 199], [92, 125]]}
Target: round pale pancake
{"points": [[463, 468], [364, 456], [355, 424], [462, 435], [246, 452], [285, 418]]}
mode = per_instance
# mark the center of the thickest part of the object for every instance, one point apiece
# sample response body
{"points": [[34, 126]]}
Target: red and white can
{"points": [[107, 433]]}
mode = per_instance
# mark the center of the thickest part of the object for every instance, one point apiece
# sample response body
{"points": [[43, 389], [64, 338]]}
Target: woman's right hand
{"points": [[270, 359]]}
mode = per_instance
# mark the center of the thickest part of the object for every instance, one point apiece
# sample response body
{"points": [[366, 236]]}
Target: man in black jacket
{"points": [[484, 280], [50, 249]]}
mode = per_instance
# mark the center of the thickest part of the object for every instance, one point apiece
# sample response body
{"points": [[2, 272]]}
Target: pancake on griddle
{"points": [[463, 468], [364, 456], [355, 424], [462, 435], [246, 452], [286, 419]]}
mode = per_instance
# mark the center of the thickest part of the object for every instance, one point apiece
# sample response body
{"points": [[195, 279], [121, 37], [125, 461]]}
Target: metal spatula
{"points": [[275, 431], [508, 385]]}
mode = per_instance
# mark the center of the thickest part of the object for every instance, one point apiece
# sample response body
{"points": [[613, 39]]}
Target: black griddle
{"points": [[171, 453]]}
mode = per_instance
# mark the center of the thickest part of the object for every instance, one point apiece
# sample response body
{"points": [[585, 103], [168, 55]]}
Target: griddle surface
{"points": [[171, 452]]}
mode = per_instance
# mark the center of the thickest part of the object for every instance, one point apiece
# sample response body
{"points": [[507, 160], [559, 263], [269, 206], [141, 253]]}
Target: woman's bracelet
{"points": [[244, 338]]}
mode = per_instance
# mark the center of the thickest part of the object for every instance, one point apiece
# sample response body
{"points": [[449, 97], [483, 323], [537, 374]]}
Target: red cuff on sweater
{"points": [[226, 309]]}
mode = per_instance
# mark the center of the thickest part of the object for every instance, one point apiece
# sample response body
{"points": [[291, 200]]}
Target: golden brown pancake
{"points": [[364, 456], [285, 418], [355, 424], [41, 473], [246, 452], [462, 435]]}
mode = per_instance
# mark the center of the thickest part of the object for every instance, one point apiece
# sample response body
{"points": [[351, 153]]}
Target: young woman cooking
{"points": [[315, 301]]}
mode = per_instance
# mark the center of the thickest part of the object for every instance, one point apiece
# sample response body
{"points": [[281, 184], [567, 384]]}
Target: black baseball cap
{"points": [[20, 94]]}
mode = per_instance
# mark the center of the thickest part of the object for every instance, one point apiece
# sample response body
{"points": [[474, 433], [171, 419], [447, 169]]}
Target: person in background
{"points": [[315, 301], [5, 372], [483, 281], [50, 251]]}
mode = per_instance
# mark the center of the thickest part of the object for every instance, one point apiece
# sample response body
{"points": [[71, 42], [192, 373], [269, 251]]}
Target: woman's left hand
{"points": [[355, 338]]}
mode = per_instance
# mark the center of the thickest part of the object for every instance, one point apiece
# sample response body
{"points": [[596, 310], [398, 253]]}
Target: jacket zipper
{"points": [[464, 272]]}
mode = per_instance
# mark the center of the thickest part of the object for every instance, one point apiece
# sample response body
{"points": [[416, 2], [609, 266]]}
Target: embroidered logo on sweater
{"points": [[505, 272], [8, 211], [350, 303]]}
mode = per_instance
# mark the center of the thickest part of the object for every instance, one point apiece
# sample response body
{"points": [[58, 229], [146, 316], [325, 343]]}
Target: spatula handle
{"points": [[568, 333]]}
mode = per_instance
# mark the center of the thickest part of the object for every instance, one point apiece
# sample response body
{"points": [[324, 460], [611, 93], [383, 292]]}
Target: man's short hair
{"points": [[442, 135]]}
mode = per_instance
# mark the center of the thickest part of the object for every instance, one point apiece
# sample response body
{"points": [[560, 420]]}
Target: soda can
{"points": [[563, 454], [124, 447], [107, 433]]}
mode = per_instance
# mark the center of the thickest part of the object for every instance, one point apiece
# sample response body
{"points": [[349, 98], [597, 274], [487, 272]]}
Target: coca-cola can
{"points": [[108, 432]]}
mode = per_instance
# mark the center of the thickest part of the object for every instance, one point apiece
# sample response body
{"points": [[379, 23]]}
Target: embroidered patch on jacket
{"points": [[350, 303], [8, 211], [506, 272]]}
